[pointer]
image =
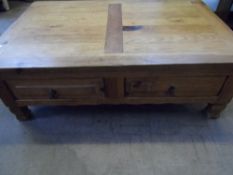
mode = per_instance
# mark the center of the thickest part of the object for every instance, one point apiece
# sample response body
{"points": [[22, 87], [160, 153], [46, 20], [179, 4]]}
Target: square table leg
{"points": [[22, 113], [6, 4]]}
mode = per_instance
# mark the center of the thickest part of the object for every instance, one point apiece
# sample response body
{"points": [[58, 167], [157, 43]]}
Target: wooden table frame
{"points": [[114, 86], [102, 62]]}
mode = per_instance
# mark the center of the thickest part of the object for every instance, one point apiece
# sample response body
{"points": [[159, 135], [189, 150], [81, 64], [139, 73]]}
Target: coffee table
{"points": [[116, 52]]}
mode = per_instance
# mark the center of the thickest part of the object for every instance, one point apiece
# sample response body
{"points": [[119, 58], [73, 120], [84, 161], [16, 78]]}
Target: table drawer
{"points": [[56, 89], [174, 86]]}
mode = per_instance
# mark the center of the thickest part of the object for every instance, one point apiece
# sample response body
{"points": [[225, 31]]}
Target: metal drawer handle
{"points": [[171, 91], [53, 94]]}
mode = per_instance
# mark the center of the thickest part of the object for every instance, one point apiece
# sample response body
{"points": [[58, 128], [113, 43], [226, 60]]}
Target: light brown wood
{"points": [[174, 86], [56, 88], [117, 101], [116, 52], [73, 34]]}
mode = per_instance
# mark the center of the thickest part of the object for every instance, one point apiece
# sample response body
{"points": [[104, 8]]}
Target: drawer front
{"points": [[56, 89], [174, 86]]}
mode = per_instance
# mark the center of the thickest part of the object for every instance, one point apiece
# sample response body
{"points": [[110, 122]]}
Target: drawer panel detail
{"points": [[57, 88], [173, 86]]}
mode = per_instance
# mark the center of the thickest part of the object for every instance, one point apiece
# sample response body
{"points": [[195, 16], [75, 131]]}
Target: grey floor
{"points": [[114, 140]]}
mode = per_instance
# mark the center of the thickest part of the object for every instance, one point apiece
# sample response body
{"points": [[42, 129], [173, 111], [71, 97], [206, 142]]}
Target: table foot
{"points": [[22, 113], [214, 110]]}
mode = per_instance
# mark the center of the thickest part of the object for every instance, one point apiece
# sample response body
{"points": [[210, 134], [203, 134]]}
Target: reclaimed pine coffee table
{"points": [[89, 53]]}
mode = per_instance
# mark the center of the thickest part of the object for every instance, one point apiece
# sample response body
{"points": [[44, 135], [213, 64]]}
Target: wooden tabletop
{"points": [[114, 33]]}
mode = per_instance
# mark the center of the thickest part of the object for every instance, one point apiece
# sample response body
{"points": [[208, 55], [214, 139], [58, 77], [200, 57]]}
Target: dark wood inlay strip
{"points": [[114, 33]]}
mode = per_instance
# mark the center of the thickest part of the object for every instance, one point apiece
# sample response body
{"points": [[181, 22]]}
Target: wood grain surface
{"points": [[73, 34], [114, 33], [116, 52]]}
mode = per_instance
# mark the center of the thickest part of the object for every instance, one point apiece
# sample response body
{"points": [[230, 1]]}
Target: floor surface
{"points": [[120, 140]]}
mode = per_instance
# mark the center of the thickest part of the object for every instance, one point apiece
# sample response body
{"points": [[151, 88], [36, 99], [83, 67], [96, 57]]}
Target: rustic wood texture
{"points": [[114, 87], [224, 98], [174, 86], [56, 88], [73, 34], [114, 34], [117, 101], [226, 92], [116, 52], [22, 113]]}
